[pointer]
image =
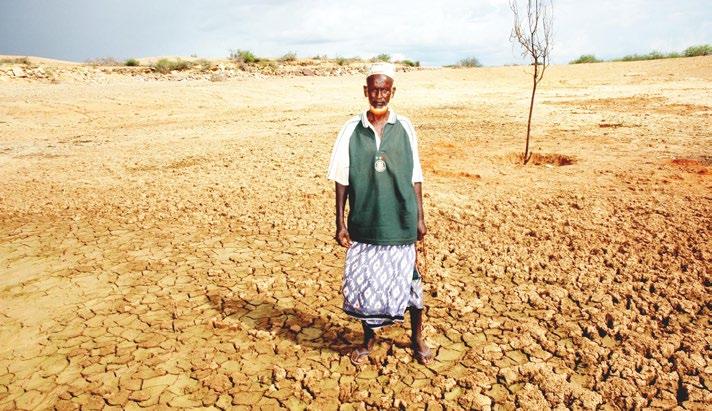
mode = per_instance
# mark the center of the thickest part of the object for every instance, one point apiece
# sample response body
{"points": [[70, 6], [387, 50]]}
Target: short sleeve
{"points": [[339, 165], [417, 170]]}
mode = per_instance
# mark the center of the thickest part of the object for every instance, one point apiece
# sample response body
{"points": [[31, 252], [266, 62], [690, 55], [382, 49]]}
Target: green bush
{"points": [[586, 58], [469, 62], [700, 50], [381, 57], [410, 63], [291, 56], [131, 63], [341, 60], [243, 56], [653, 55], [165, 66]]}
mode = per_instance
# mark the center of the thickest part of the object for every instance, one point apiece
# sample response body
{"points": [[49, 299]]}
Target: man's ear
{"points": [[365, 91], [393, 91]]}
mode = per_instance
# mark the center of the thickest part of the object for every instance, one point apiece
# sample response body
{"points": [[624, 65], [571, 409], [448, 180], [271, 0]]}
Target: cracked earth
{"points": [[169, 244]]}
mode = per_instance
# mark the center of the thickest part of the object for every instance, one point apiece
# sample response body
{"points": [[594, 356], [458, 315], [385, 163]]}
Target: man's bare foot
{"points": [[421, 352], [359, 355]]}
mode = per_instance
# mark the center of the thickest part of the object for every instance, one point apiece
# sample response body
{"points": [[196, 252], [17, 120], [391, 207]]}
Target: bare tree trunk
{"points": [[527, 156], [533, 33]]}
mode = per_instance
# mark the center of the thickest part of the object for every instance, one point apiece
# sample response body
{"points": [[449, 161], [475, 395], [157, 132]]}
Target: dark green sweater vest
{"points": [[382, 206]]}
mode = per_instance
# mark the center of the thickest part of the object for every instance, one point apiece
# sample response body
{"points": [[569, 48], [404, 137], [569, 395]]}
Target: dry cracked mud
{"points": [[169, 244]]}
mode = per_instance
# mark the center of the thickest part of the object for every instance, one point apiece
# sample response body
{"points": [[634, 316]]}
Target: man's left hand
{"points": [[422, 230]]}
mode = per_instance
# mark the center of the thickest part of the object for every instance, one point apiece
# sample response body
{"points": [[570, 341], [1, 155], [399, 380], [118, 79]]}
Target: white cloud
{"points": [[433, 32]]}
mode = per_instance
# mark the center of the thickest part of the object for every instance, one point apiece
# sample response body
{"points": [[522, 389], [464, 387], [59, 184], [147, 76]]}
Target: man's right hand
{"points": [[342, 237]]}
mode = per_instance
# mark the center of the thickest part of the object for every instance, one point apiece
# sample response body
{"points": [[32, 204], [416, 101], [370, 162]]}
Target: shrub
{"points": [[410, 63], [700, 50], [203, 63], [586, 58], [15, 60], [104, 61], [469, 62], [341, 60], [291, 56], [131, 63], [243, 56], [653, 55], [165, 66], [267, 64], [381, 57]]}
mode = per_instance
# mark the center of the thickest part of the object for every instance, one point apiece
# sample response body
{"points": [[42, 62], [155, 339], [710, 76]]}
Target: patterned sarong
{"points": [[379, 283]]}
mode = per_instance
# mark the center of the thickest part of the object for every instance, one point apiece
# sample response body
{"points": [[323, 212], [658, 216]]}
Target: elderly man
{"points": [[375, 165]]}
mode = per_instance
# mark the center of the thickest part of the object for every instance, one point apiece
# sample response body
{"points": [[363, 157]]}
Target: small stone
{"points": [[482, 401], [278, 373], [224, 402], [18, 72]]}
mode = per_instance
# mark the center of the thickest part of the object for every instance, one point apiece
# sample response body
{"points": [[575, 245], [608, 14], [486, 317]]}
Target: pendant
{"points": [[379, 165]]}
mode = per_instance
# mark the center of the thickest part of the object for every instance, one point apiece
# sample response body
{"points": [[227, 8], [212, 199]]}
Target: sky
{"points": [[432, 32]]}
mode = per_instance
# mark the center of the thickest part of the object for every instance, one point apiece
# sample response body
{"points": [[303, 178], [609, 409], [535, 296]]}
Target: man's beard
{"points": [[379, 110]]}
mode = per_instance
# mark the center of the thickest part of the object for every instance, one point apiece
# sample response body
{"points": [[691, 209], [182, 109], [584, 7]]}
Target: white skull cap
{"points": [[387, 69]]}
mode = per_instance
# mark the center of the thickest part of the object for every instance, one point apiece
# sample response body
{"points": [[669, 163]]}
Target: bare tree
{"points": [[533, 33]]}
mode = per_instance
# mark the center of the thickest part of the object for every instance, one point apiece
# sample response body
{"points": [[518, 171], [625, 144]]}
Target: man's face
{"points": [[379, 90]]}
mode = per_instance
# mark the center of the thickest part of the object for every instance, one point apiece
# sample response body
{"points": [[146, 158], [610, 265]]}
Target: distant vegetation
{"points": [[345, 61], [653, 55], [15, 60], [291, 56], [694, 51], [469, 62], [409, 63], [586, 58], [381, 57], [165, 66], [701, 50], [243, 56], [104, 61], [131, 63]]}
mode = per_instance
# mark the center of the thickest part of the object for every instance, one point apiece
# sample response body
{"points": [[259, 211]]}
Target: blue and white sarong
{"points": [[379, 284]]}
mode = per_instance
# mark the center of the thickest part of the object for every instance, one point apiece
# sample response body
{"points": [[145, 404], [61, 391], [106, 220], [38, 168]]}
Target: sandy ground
{"points": [[170, 243]]}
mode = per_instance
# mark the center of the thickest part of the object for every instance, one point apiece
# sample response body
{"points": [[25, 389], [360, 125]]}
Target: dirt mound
{"points": [[542, 159], [701, 166]]}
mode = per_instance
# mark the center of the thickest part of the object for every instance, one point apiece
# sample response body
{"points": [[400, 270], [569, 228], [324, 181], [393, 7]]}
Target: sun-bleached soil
{"points": [[169, 243]]}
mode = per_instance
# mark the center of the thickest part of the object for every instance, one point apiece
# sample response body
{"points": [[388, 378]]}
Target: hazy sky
{"points": [[434, 32]]}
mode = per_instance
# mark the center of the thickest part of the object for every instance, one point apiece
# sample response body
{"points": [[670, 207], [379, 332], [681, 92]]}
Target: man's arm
{"points": [[342, 233], [422, 230]]}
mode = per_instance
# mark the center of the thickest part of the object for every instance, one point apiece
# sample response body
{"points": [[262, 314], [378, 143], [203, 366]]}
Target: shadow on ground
{"points": [[323, 327]]}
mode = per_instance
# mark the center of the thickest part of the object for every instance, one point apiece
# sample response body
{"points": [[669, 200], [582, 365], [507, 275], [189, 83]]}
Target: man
{"points": [[376, 166]]}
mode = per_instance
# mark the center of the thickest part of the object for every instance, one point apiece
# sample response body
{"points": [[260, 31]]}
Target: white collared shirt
{"points": [[339, 165]]}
